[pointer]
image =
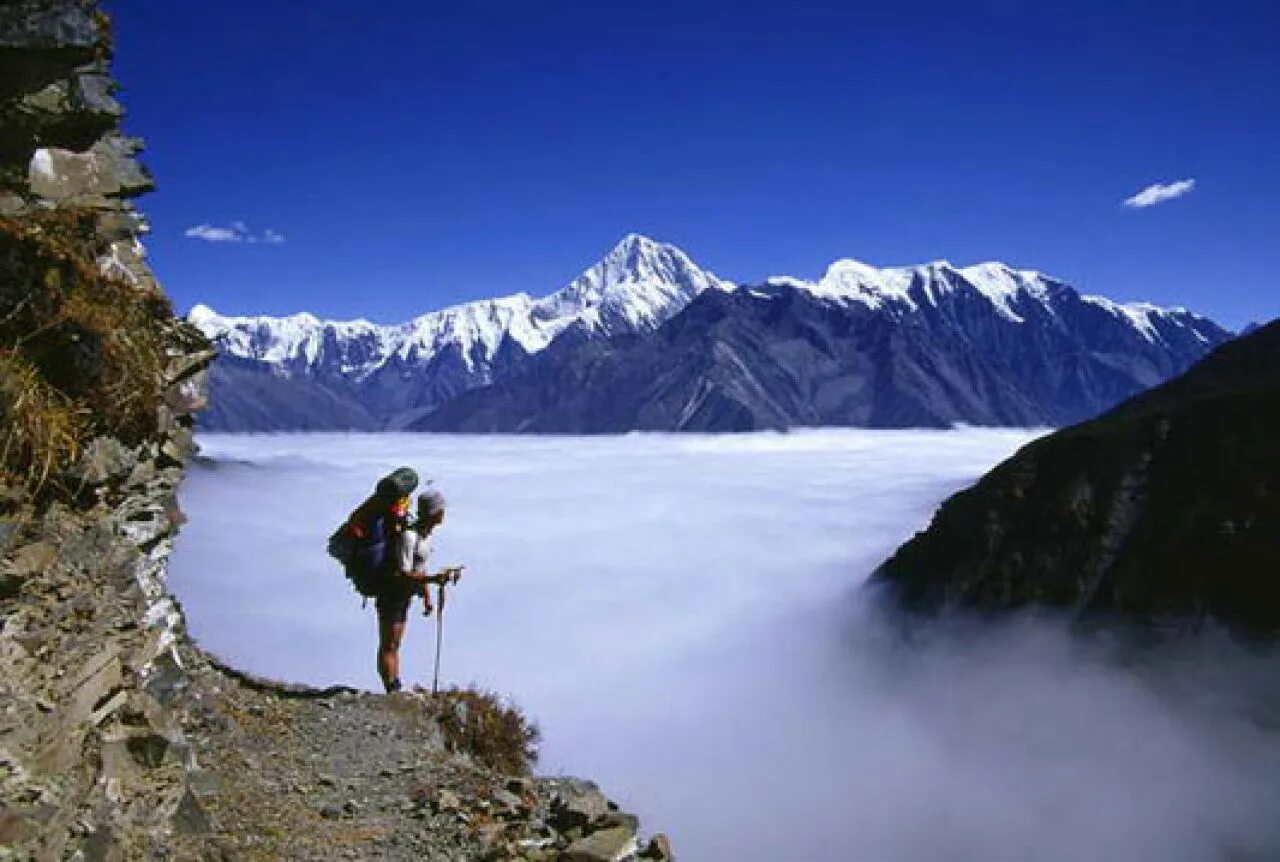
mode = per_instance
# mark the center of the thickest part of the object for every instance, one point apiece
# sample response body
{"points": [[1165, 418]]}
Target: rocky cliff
{"points": [[1165, 510], [119, 737]]}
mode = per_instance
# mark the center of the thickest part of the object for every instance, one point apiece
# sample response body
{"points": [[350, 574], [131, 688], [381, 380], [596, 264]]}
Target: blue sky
{"points": [[415, 154]]}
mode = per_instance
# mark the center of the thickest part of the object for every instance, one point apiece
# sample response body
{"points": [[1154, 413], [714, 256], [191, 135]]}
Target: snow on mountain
{"points": [[1008, 290], [985, 343], [636, 287]]}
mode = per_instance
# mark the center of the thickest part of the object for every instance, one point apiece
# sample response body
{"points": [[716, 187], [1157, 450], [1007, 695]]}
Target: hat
{"points": [[430, 502]]}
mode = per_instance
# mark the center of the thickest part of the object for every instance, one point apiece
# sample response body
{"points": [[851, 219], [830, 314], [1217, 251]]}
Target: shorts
{"points": [[393, 603]]}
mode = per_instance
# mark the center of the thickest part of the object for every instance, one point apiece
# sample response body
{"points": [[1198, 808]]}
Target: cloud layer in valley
{"points": [[682, 615], [237, 231], [1158, 193]]}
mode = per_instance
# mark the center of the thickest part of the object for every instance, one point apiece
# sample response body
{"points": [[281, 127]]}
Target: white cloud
{"points": [[1158, 193], [237, 231], [209, 233], [679, 614]]}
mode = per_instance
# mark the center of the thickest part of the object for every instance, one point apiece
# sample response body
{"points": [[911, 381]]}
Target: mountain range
{"points": [[647, 339]]}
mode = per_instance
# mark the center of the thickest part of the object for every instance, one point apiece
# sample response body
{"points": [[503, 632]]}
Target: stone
{"points": [[103, 460], [108, 706], [92, 94], [620, 818], [33, 559], [606, 845], [658, 849], [576, 804], [190, 818], [124, 223], [506, 799], [126, 259], [102, 845], [11, 204], [185, 365], [203, 783], [54, 99], [92, 686], [188, 396], [143, 473], [177, 448], [62, 26], [107, 170]]}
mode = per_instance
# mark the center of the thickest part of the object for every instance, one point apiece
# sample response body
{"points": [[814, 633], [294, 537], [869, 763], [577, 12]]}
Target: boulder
{"points": [[576, 805], [107, 170], [658, 849], [93, 94], [103, 460], [607, 845]]}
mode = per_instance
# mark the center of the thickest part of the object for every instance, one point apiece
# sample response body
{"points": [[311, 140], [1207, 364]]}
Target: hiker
{"points": [[368, 540], [407, 577]]}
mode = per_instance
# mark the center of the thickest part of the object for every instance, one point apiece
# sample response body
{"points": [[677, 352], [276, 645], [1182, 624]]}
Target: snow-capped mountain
{"points": [[923, 345], [635, 288], [395, 372], [1015, 295], [931, 345]]}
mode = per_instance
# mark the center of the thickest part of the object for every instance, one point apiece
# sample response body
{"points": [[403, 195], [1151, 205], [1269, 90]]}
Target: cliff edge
{"points": [[119, 737]]}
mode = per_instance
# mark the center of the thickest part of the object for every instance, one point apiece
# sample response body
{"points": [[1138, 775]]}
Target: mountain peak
{"points": [[640, 256], [638, 285]]}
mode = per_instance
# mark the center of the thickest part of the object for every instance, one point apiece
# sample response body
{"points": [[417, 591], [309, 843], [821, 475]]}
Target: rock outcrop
{"points": [[1165, 510], [119, 737]]}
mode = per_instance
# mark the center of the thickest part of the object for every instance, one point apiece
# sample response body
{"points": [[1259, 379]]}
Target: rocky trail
{"points": [[120, 738]]}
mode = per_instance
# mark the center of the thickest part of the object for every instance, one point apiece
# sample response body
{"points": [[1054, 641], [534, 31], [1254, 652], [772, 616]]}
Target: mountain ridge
{"points": [[399, 375], [1162, 511]]}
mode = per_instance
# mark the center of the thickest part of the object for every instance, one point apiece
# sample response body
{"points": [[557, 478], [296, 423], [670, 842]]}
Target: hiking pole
{"points": [[447, 576], [435, 679]]}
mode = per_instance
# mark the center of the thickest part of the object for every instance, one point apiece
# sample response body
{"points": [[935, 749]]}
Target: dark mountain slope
{"points": [[1165, 508], [248, 397]]}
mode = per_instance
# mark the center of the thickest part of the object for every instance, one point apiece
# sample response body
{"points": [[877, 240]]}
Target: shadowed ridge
{"points": [[1165, 510]]}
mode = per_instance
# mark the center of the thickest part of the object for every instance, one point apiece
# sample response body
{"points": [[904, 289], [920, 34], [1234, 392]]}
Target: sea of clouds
{"points": [[683, 616]]}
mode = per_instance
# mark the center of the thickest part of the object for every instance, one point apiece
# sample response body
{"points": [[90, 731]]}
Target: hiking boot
{"points": [[393, 686]]}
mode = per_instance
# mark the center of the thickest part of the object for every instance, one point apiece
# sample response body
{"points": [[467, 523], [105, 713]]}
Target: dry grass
{"points": [[41, 428], [83, 353], [489, 728]]}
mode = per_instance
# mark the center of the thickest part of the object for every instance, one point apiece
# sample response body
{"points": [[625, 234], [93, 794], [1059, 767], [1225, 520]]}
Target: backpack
{"points": [[360, 545]]}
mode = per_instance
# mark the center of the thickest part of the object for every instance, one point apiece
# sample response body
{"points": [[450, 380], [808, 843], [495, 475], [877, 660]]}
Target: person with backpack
{"points": [[408, 577], [367, 544]]}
